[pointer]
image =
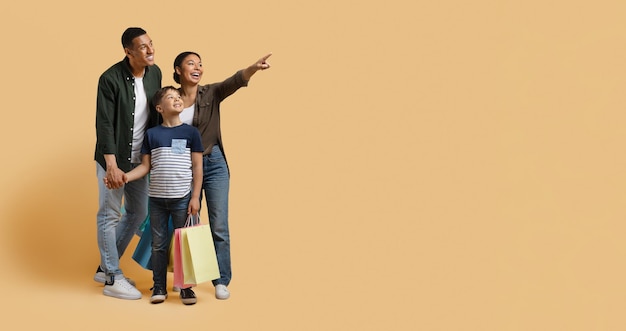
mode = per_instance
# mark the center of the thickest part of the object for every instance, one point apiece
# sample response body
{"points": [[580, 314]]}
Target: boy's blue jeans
{"points": [[161, 210]]}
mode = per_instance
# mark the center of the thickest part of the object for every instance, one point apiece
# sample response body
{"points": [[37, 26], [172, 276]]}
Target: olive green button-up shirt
{"points": [[115, 111]]}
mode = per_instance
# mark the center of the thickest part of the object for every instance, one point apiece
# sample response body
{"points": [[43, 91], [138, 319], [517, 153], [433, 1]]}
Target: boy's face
{"points": [[171, 103]]}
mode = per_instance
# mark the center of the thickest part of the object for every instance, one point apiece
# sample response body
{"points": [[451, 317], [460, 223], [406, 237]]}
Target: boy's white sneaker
{"points": [[221, 292], [121, 289]]}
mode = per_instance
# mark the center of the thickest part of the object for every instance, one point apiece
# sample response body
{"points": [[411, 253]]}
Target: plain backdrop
{"points": [[404, 165]]}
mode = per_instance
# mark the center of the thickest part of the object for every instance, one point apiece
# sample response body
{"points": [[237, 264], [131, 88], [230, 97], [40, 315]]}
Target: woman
{"points": [[202, 110]]}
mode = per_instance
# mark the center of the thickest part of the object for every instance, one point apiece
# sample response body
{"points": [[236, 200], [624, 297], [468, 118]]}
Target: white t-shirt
{"points": [[141, 120], [186, 116]]}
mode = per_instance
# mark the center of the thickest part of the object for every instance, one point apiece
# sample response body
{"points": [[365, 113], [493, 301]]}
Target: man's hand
{"points": [[106, 181], [114, 178]]}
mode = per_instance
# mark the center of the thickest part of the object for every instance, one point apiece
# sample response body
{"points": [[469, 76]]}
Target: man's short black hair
{"points": [[130, 34]]}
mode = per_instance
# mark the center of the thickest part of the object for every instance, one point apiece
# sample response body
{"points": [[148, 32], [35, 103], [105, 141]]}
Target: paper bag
{"points": [[143, 252], [199, 260], [177, 262]]}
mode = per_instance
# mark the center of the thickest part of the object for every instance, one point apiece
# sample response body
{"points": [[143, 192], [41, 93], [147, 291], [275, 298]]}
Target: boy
{"points": [[172, 154]]}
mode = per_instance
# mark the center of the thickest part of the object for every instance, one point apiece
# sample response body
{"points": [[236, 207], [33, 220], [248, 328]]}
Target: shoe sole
{"points": [[99, 278], [158, 298], [121, 296], [189, 301]]}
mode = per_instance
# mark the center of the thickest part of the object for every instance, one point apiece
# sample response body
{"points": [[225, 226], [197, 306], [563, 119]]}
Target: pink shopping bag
{"points": [[177, 263]]}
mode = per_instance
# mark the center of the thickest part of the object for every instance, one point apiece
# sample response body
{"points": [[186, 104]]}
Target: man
{"points": [[123, 114]]}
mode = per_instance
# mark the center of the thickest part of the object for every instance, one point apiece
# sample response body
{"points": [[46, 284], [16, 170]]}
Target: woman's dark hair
{"points": [[178, 61]]}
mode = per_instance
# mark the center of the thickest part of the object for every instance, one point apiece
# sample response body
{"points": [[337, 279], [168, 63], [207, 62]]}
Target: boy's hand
{"points": [[194, 206], [108, 184]]}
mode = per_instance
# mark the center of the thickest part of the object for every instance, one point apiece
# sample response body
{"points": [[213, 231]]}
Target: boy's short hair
{"points": [[158, 96], [130, 34]]}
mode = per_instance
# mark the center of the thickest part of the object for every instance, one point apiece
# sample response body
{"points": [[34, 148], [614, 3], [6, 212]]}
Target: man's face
{"points": [[142, 52]]}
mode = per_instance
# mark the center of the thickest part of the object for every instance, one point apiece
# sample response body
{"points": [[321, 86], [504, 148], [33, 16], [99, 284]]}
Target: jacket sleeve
{"points": [[230, 85], [105, 117]]}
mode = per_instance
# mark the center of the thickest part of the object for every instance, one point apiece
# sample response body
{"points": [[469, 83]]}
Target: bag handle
{"points": [[192, 221]]}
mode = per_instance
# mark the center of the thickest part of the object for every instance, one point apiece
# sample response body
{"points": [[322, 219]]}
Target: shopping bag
{"points": [[177, 262], [170, 262], [199, 260], [143, 252]]}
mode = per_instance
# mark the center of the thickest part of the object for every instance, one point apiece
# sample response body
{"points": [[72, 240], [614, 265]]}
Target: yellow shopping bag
{"points": [[199, 260]]}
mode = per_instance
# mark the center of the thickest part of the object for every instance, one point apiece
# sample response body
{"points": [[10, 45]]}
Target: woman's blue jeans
{"points": [[215, 186]]}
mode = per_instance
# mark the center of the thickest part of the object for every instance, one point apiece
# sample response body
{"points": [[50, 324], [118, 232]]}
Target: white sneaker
{"points": [[221, 292], [175, 289], [121, 289], [100, 277]]}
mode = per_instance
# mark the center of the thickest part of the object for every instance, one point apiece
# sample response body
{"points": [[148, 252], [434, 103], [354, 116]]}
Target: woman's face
{"points": [[190, 70]]}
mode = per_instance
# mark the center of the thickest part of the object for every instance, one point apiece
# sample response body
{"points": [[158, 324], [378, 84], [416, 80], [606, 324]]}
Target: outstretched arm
{"points": [[139, 171], [261, 64]]}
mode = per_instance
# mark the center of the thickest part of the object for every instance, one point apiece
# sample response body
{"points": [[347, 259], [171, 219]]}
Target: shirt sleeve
{"points": [[196, 141], [145, 146]]}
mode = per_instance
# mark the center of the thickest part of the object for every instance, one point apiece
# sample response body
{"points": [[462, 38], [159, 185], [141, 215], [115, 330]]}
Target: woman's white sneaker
{"points": [[221, 292]]}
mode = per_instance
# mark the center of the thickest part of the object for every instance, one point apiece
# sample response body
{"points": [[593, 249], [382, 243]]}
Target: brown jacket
{"points": [[207, 115]]}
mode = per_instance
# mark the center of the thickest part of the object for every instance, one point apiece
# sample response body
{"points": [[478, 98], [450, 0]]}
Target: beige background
{"points": [[404, 165]]}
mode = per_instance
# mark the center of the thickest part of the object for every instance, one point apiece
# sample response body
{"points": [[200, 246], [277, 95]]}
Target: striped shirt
{"points": [[170, 151]]}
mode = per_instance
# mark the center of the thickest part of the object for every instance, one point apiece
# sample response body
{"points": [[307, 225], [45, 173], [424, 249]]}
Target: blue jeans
{"points": [[161, 210], [115, 230], [215, 186]]}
